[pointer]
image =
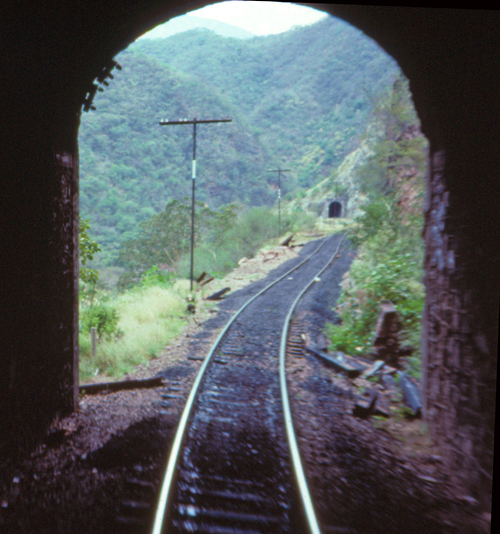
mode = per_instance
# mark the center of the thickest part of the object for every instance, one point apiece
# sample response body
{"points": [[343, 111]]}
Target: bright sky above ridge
{"points": [[258, 18], [261, 18]]}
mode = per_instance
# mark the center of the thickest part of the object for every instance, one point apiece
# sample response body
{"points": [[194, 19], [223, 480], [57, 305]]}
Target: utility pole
{"points": [[279, 171], [194, 122]]}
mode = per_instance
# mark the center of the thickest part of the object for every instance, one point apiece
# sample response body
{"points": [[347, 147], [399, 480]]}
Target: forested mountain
{"points": [[298, 100]]}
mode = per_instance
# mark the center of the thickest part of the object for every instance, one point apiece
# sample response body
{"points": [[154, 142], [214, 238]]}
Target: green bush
{"points": [[101, 316], [156, 277], [397, 279], [299, 220]]}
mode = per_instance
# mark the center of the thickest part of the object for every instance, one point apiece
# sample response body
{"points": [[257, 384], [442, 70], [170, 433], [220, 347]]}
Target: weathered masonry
{"points": [[52, 51]]}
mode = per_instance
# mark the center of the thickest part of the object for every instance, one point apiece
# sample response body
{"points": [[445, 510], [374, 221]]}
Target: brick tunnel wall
{"points": [[459, 354]]}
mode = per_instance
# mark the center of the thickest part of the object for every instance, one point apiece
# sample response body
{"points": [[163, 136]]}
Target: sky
{"points": [[261, 18]]}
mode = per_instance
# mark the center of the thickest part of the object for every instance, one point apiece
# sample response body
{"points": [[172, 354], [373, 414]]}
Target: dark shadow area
{"points": [[334, 209]]}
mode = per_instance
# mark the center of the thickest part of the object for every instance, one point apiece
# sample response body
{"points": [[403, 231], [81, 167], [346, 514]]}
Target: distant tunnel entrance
{"points": [[334, 210]]}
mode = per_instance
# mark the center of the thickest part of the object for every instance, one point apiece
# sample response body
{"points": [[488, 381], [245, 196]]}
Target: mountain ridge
{"points": [[299, 100], [190, 22]]}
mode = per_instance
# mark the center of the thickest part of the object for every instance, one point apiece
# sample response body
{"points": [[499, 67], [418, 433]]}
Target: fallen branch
{"points": [[90, 389]]}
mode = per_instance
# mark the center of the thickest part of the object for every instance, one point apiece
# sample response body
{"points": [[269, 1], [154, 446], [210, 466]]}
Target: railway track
{"points": [[234, 466]]}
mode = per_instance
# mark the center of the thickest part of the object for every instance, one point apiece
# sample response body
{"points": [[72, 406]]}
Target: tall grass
{"points": [[150, 317]]}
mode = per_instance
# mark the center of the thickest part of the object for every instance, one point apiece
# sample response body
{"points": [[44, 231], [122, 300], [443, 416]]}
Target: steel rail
{"points": [[305, 496], [165, 494]]}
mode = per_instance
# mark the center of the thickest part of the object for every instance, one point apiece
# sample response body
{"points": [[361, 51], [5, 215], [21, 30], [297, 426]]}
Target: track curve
{"points": [[230, 470]]}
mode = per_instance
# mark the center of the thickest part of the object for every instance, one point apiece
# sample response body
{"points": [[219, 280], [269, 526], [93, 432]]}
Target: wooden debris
{"points": [[90, 389], [389, 382], [354, 361], [286, 242], [268, 256], [373, 369], [426, 478], [411, 396], [386, 342], [201, 277], [364, 408], [333, 362], [381, 412], [322, 342], [206, 281], [219, 294]]}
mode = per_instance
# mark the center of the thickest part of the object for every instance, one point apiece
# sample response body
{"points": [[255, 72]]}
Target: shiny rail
{"points": [[168, 485], [305, 496]]}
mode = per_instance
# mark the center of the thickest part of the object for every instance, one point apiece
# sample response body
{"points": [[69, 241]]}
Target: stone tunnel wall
{"points": [[459, 354], [39, 374]]}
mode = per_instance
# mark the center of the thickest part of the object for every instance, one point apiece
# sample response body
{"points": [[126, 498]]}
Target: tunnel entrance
{"points": [[334, 210], [450, 80]]}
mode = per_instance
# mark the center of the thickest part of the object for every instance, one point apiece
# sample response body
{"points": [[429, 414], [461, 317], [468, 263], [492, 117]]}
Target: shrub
{"points": [[103, 317], [397, 279], [157, 277]]}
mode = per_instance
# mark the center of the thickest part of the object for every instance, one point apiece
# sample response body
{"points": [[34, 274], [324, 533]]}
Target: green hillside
{"points": [[299, 99]]}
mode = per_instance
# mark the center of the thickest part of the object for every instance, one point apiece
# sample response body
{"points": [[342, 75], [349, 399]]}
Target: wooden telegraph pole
{"points": [[279, 171], [194, 122]]}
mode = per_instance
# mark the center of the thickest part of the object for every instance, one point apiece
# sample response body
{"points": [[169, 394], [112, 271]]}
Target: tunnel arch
{"points": [[334, 209], [451, 58]]}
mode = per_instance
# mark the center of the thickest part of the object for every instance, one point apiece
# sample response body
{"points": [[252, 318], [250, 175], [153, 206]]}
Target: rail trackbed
{"points": [[230, 469]]}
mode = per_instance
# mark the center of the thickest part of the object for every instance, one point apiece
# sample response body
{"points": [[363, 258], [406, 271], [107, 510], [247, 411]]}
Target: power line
{"points": [[194, 122]]}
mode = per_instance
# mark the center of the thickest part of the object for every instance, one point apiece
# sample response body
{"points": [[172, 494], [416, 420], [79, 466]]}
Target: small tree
{"points": [[165, 239], [88, 247], [99, 315]]}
